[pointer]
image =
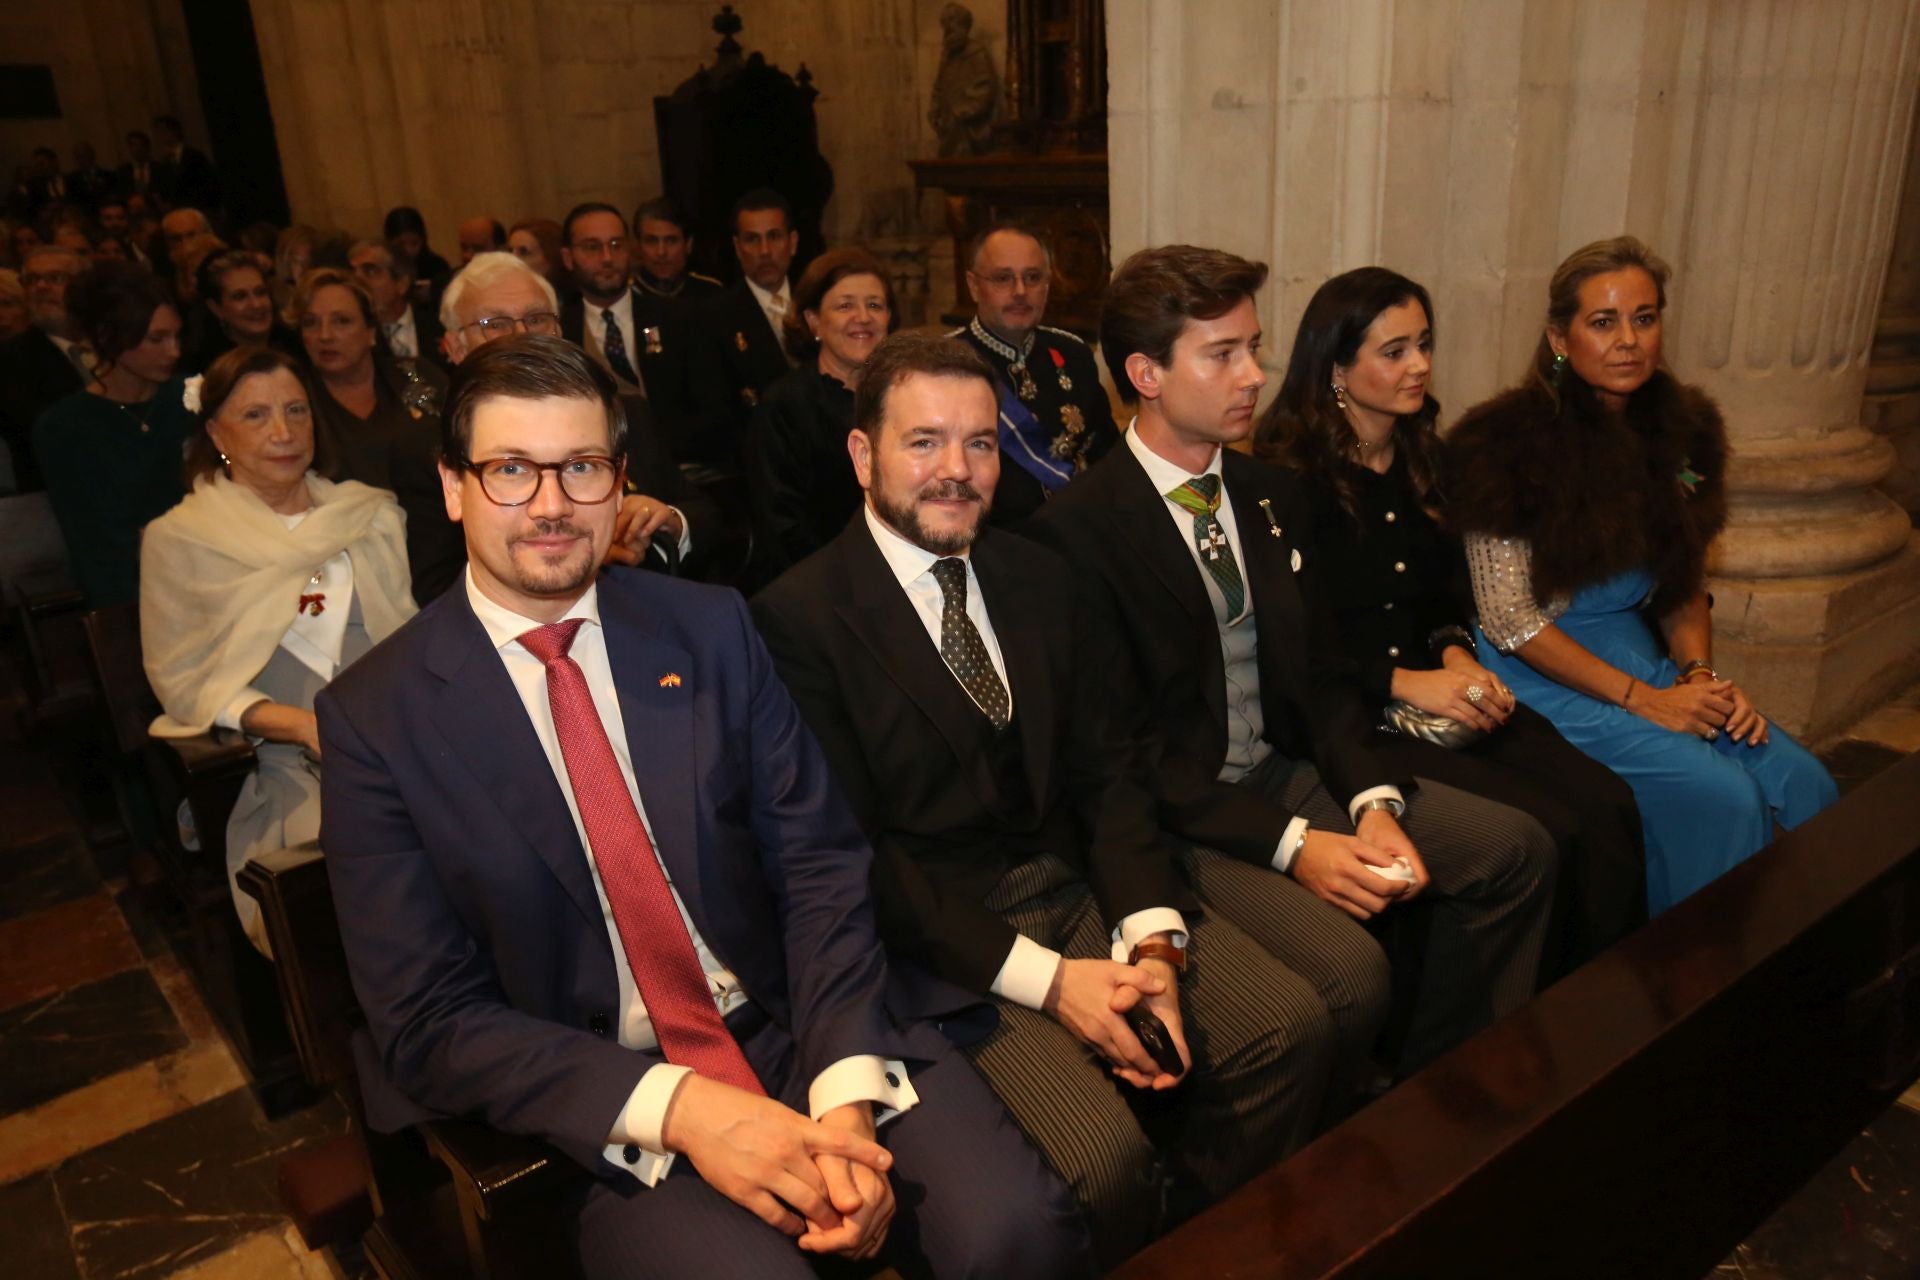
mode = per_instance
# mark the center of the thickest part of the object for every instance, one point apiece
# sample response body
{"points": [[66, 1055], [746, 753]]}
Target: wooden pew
{"points": [[1643, 1116]]}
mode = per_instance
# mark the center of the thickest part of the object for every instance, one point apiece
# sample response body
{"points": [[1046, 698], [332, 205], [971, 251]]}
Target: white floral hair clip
{"points": [[190, 395]]}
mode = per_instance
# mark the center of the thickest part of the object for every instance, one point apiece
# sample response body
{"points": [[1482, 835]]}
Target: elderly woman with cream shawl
{"points": [[258, 588]]}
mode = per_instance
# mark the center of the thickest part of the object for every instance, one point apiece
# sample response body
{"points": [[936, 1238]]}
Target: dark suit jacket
{"points": [[33, 374], [429, 330], [188, 182], [90, 186], [682, 378], [473, 933], [752, 357], [1113, 526], [917, 758]]}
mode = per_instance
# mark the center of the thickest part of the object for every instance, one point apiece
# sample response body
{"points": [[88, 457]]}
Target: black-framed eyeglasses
{"points": [[542, 322], [586, 478]]}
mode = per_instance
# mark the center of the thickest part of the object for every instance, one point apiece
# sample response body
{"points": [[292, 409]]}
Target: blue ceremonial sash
{"points": [[1023, 439]]}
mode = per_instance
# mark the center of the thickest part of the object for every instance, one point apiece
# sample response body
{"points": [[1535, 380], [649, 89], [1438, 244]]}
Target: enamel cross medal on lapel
{"points": [[1216, 538], [1266, 509]]}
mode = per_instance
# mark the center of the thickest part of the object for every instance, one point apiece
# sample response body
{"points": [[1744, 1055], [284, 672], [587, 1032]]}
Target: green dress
{"points": [[110, 468]]}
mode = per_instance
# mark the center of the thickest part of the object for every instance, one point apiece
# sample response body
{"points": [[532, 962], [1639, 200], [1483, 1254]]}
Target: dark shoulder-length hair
{"points": [[1306, 429], [824, 272], [227, 372], [114, 304]]}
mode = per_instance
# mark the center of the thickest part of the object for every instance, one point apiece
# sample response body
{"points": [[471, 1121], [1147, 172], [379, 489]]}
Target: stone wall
{"points": [[525, 107], [116, 64]]}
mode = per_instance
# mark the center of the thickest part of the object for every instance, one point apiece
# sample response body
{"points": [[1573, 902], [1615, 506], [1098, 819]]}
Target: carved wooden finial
{"points": [[727, 24]]}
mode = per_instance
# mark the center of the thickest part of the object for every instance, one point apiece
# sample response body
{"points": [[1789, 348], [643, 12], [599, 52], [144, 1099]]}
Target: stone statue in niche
{"points": [[966, 92]]}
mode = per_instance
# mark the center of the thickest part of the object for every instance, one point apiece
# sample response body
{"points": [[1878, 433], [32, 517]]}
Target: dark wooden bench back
{"points": [[113, 637], [1644, 1115]]}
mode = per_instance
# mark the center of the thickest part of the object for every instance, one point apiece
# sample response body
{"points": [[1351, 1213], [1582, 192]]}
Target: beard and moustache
{"points": [[904, 517], [547, 576]]}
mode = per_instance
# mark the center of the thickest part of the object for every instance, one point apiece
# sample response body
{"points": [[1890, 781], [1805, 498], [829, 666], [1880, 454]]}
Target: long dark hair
{"points": [[1304, 428]]}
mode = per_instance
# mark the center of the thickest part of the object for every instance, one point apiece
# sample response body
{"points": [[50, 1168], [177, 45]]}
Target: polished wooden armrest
{"points": [[496, 1172], [212, 754]]}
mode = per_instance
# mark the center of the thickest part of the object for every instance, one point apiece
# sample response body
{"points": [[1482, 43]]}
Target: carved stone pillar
{"points": [[1799, 140]]}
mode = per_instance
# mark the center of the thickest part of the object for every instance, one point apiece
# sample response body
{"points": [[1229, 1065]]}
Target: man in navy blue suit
{"points": [[596, 886]]}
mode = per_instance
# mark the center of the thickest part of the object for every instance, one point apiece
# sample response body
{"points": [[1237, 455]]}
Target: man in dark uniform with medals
{"points": [[1055, 419]]}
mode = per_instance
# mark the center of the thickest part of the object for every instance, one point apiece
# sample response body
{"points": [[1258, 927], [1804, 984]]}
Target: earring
{"points": [[225, 465], [1559, 367], [1340, 397]]}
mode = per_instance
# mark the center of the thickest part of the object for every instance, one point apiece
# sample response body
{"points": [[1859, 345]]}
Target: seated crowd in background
{"points": [[1388, 729]]}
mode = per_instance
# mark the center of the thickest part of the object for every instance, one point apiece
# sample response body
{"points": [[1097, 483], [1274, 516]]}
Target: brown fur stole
{"points": [[1595, 493]]}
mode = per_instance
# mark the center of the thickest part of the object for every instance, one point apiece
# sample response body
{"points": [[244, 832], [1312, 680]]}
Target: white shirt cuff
{"points": [[637, 1145], [863, 1078], [1144, 924], [229, 717], [686, 532], [1026, 975], [1289, 845], [1374, 793]]}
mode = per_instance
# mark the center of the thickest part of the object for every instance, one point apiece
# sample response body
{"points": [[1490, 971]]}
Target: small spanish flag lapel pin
{"points": [[671, 680]]}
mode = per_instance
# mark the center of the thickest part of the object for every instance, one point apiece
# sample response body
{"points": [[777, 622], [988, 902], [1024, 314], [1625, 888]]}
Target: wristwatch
{"points": [[1154, 949], [1393, 807], [1692, 668]]}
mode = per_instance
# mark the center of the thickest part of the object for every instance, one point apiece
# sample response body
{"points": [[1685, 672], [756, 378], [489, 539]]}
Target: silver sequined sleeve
{"points": [[1503, 591]]}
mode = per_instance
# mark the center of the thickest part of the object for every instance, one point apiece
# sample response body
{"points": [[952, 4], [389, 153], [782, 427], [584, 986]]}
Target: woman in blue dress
{"points": [[1588, 497]]}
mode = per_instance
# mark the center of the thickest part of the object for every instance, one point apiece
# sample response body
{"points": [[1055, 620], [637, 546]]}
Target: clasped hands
{"points": [[822, 1182], [1338, 868], [1091, 998], [1702, 705], [640, 518]]}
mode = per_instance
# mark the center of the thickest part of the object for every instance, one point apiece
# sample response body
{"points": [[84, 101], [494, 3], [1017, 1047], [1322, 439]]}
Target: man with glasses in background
{"points": [[625, 329], [497, 294], [1055, 419], [44, 364]]}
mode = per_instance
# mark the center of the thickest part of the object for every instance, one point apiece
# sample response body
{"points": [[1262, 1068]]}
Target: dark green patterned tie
{"points": [[961, 647], [1201, 496]]}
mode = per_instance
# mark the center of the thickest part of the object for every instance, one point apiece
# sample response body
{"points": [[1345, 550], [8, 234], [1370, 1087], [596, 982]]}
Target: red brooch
{"points": [[1059, 361], [315, 604]]}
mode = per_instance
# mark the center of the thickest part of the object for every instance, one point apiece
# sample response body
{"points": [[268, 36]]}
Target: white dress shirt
{"points": [[639, 1124], [1026, 975], [403, 336], [1167, 476]]}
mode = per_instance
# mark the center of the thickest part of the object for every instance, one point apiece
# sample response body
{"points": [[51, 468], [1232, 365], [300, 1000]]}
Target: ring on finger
{"points": [[1711, 734], [1475, 693]]}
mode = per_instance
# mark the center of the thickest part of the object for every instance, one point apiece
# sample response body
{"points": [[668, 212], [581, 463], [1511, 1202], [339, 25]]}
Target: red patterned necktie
{"points": [[652, 932]]}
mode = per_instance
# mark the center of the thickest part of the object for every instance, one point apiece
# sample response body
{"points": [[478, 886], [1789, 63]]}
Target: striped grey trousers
{"points": [[1263, 1046], [1472, 941]]}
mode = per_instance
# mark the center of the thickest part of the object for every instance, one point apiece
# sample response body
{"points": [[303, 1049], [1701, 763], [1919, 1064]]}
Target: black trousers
{"points": [[1601, 894]]}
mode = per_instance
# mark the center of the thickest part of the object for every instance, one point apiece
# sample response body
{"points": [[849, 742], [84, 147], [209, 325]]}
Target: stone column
{"points": [[1797, 136], [1759, 146]]}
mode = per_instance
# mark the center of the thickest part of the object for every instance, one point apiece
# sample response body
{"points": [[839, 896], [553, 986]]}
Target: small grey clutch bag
{"points": [[1428, 726]]}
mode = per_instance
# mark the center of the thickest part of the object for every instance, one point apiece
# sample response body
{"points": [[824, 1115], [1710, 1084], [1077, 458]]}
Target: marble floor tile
{"points": [[57, 1044], [184, 1190], [1855, 1220], [35, 809], [265, 1255], [61, 947], [183, 997], [33, 1232], [155, 917], [35, 874], [111, 1108]]}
